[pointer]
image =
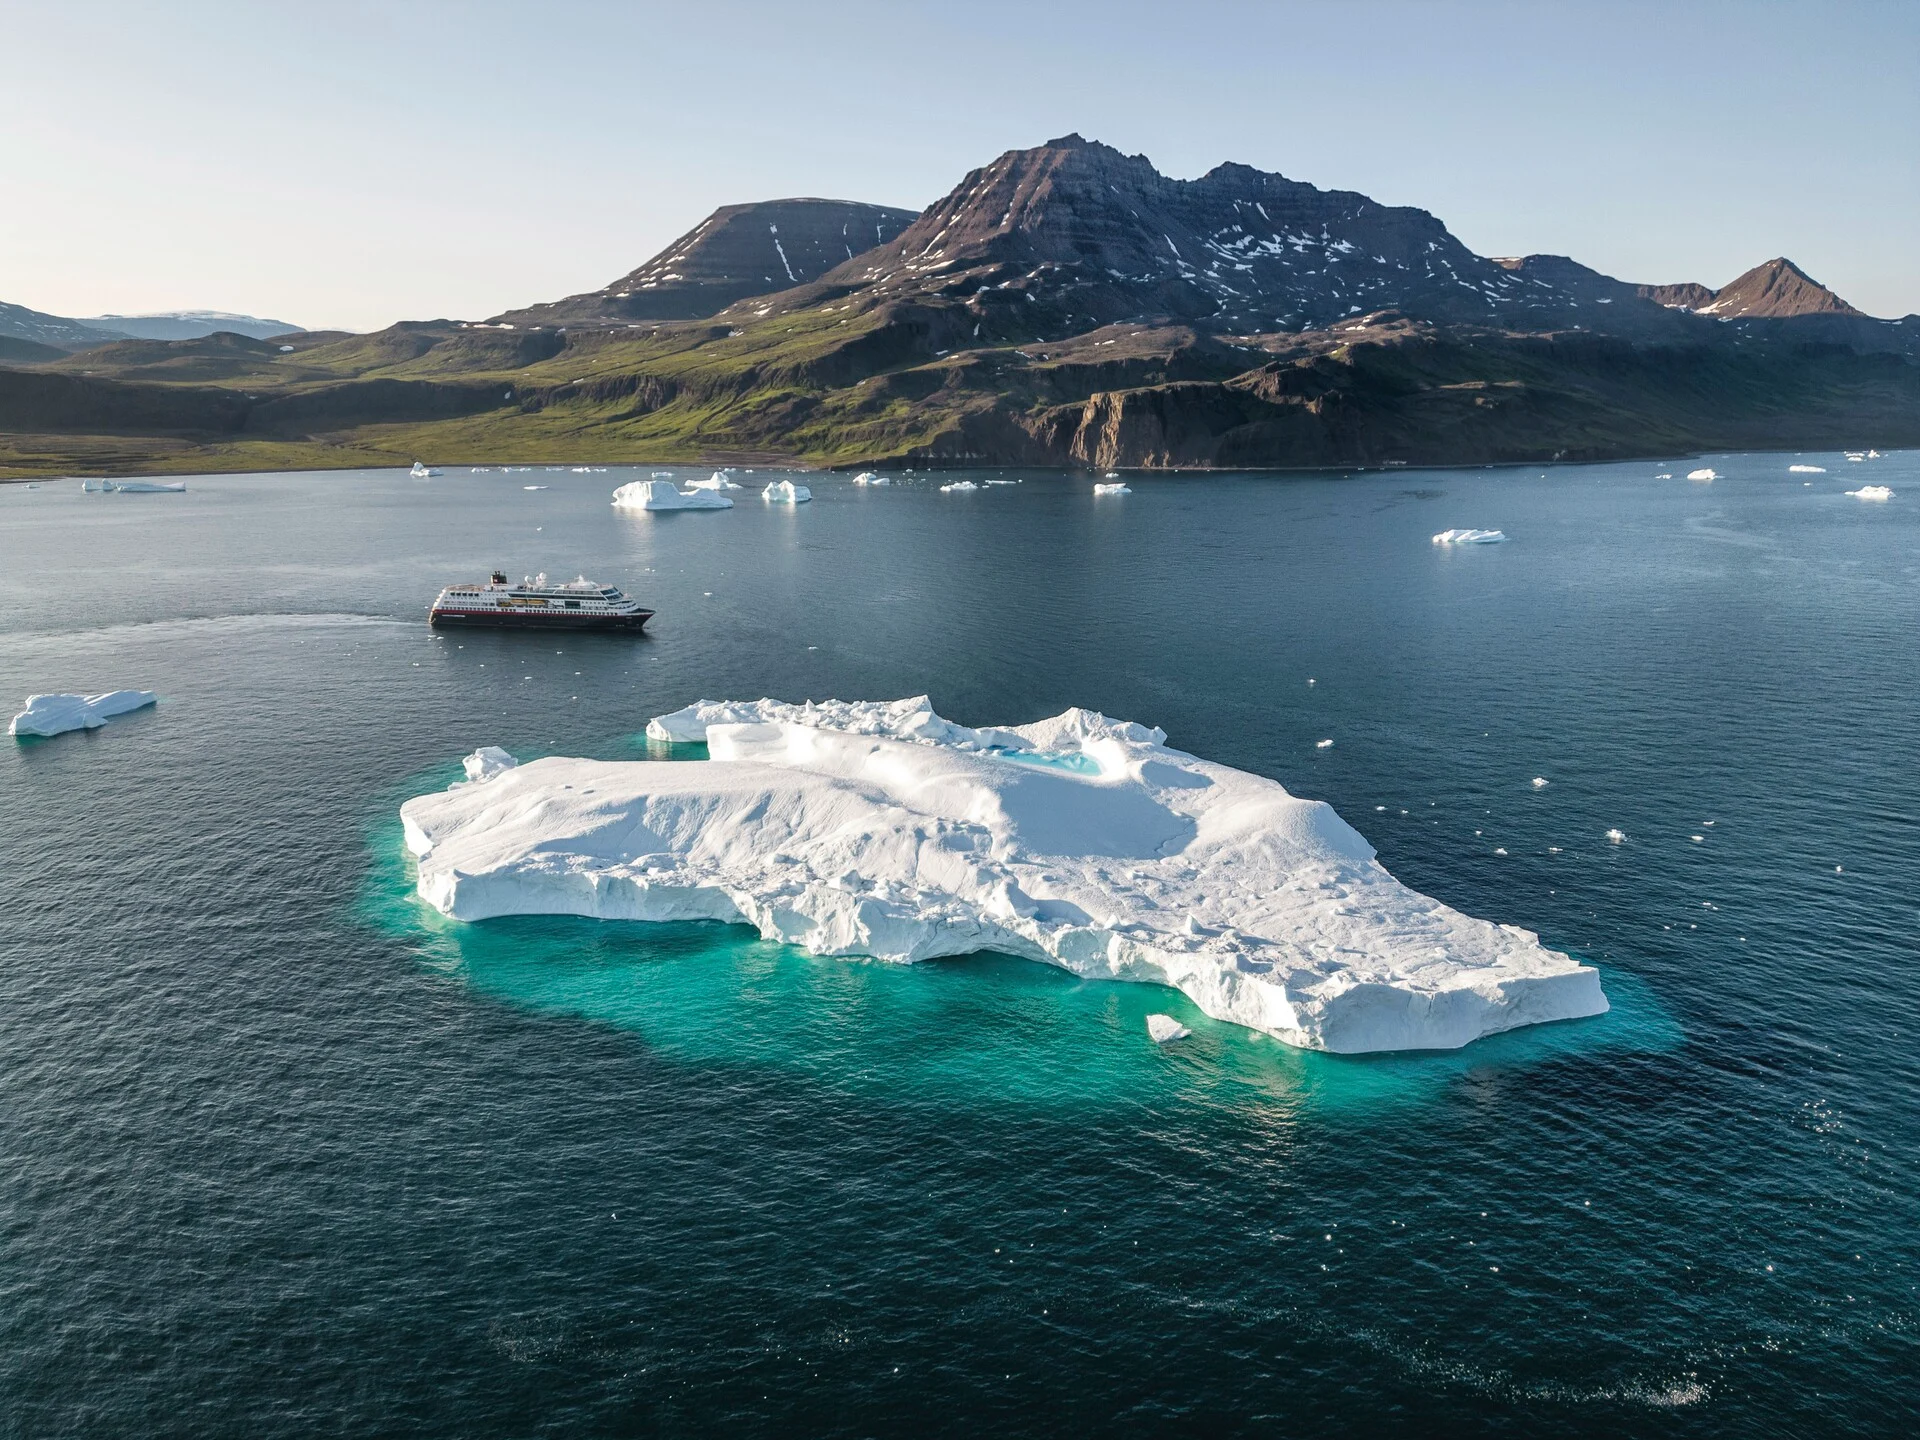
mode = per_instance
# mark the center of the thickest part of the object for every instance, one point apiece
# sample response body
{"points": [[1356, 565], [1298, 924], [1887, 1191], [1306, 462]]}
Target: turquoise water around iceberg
{"points": [[287, 1152]]}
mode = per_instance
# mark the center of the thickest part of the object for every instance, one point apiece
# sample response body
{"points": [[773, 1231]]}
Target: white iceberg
{"points": [[136, 487], [1164, 1028], [884, 830], [959, 485], [421, 472], [1706, 473], [1539, 782], [716, 481], [534, 487], [56, 714], [1616, 837], [662, 495], [1121, 488], [867, 477], [487, 762], [785, 492], [1806, 469], [1469, 537], [1872, 492]]}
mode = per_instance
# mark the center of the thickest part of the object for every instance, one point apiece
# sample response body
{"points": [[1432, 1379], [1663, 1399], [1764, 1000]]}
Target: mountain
{"points": [[190, 325], [17, 322], [1775, 290], [1064, 305], [738, 251]]}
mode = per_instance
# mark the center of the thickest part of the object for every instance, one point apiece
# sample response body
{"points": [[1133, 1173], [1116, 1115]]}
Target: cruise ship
{"points": [[537, 604]]}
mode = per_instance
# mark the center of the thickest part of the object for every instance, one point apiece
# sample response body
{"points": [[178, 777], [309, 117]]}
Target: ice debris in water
{"points": [[867, 477], [1164, 1028], [1615, 837], [661, 495], [1118, 488], [1705, 473], [1469, 537], [1323, 744], [56, 714], [959, 485], [1872, 492], [1806, 469], [716, 481], [785, 492], [1540, 782], [883, 829], [487, 762]]}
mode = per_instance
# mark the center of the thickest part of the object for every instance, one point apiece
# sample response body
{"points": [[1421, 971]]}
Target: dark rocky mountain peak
{"points": [[1777, 289], [1054, 239], [738, 251]]}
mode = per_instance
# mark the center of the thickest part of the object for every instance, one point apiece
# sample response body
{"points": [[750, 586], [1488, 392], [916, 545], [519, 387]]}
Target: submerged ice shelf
{"points": [[881, 829]]}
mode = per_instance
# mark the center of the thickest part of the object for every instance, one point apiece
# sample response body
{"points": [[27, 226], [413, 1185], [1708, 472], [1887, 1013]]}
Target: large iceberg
{"points": [[56, 714], [881, 829], [662, 495]]}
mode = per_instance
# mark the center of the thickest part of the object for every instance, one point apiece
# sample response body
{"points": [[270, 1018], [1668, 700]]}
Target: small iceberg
{"points": [[1806, 469], [1323, 744], [1118, 488], [1616, 837], [421, 472], [1664, 475], [663, 475], [1009, 482], [662, 495], [56, 714], [1164, 1028], [785, 492], [882, 829], [1705, 473], [1872, 492], [1539, 782], [1856, 456], [1470, 537], [136, 487], [533, 487], [487, 762], [958, 485], [716, 481], [867, 477]]}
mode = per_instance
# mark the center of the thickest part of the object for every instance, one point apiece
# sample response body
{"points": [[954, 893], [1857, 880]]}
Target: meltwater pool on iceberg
{"points": [[881, 829]]}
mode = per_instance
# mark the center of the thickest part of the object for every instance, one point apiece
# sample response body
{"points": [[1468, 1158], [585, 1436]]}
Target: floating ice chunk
{"points": [[143, 487], [1120, 488], [56, 714], [882, 829], [1164, 1028], [867, 477], [1323, 744], [1664, 475], [661, 495], [959, 485], [487, 762], [1872, 492], [1705, 473], [663, 475], [1806, 469], [1111, 475], [1615, 837], [1469, 537], [421, 472], [716, 481], [1856, 456], [1540, 782], [785, 492], [533, 487], [1697, 839]]}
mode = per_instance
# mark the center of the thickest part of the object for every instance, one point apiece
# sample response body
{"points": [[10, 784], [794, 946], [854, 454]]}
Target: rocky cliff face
{"points": [[738, 251]]}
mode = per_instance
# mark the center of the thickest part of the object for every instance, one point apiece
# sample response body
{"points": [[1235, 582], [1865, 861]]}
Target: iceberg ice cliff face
{"points": [[882, 829], [57, 714]]}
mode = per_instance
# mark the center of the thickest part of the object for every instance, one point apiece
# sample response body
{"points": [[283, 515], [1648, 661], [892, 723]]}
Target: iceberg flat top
{"points": [[867, 828], [663, 495], [56, 714]]}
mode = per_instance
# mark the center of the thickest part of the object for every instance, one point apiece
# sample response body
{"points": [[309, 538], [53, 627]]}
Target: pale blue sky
{"points": [[352, 164]]}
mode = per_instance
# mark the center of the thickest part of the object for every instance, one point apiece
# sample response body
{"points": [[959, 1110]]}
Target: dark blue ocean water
{"points": [[281, 1152]]}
